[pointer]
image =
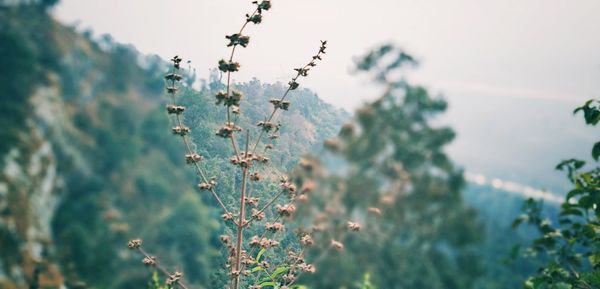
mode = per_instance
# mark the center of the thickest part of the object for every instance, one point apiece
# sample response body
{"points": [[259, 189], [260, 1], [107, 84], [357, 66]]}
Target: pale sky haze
{"points": [[512, 70], [477, 48]]}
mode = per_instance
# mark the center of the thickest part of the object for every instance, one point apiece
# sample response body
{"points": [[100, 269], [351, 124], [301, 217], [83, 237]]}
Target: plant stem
{"points": [[241, 220]]}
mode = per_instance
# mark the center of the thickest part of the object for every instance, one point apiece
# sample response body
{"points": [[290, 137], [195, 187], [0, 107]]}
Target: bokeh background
{"points": [[86, 159]]}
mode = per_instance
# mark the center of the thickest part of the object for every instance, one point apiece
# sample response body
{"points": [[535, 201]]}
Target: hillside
{"points": [[87, 137]]}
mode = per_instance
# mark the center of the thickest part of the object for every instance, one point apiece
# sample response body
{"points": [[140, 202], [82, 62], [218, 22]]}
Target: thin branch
{"points": [[275, 108], [241, 220]]}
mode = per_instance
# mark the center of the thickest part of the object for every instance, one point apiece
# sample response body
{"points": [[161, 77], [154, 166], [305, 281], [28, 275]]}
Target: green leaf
{"points": [[260, 254], [596, 151], [574, 193], [522, 218], [256, 269], [279, 271], [268, 283]]}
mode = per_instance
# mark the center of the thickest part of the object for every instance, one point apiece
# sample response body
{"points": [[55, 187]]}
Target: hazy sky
{"points": [[511, 69], [476, 48]]}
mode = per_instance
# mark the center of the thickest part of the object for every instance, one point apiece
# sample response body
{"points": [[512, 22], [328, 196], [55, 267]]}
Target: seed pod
{"points": [[293, 85], [173, 77], [227, 217], [354, 227], [338, 246], [255, 177], [225, 239], [134, 244], [251, 201], [375, 211], [237, 39], [228, 66], [286, 210], [192, 158], [149, 261], [174, 109], [258, 215], [180, 130], [274, 227], [307, 241]]}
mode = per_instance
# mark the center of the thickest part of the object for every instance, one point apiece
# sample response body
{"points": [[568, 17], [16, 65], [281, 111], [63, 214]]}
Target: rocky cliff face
{"points": [[54, 72], [29, 193]]}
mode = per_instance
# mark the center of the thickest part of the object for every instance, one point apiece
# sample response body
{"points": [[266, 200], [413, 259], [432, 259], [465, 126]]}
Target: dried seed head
{"points": [[228, 66], [338, 246], [319, 228], [149, 261], [309, 268], [375, 211], [267, 243], [208, 185], [260, 159], [227, 217], [257, 287], [180, 130], [354, 227], [258, 215], [332, 145], [246, 260], [171, 89], [293, 85], [134, 244], [225, 239], [308, 186], [288, 278], [387, 199], [237, 39], [286, 210], [192, 158], [307, 241], [175, 109], [302, 198], [256, 18], [289, 187], [267, 126], [274, 227], [263, 5], [264, 264], [227, 130], [221, 97], [255, 177], [252, 201], [254, 241], [174, 278], [173, 77]]}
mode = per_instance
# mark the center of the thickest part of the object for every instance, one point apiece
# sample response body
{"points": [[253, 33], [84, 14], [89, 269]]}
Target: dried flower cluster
{"points": [[246, 258]]}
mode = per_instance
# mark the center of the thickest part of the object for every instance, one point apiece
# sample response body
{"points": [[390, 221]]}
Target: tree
{"points": [[394, 163], [572, 247]]}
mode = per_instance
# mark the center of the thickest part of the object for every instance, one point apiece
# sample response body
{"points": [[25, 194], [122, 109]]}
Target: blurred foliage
{"points": [[24, 64], [394, 160], [572, 246]]}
